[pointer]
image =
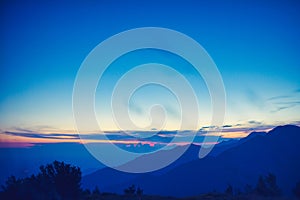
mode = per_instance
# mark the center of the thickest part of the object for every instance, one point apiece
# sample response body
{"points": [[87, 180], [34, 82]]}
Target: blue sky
{"points": [[255, 45]]}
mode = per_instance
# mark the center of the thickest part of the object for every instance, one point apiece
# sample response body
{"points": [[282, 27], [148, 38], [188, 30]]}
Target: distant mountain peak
{"points": [[256, 133], [288, 126], [286, 129]]}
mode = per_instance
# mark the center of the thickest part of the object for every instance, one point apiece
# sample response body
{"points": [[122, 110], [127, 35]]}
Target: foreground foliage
{"points": [[54, 181], [60, 181]]}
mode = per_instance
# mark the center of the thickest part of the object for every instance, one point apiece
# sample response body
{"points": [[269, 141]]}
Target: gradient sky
{"points": [[255, 45]]}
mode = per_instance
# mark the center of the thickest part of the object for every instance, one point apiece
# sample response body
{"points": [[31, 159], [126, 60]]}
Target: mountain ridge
{"points": [[273, 152]]}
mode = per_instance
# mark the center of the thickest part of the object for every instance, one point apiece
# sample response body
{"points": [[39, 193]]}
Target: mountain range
{"points": [[236, 163]]}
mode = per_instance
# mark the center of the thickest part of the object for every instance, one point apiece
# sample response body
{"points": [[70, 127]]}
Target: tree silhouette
{"points": [[130, 190], [96, 193], [267, 186], [261, 187], [139, 193], [54, 181], [60, 181], [229, 191], [63, 177], [11, 188], [272, 185]]}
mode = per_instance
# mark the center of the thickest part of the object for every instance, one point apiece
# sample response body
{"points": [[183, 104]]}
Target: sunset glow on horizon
{"points": [[255, 46]]}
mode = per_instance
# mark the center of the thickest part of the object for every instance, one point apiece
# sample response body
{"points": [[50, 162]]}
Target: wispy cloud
{"points": [[42, 135], [254, 98], [118, 138], [283, 102], [279, 108], [279, 97], [138, 137], [253, 122]]}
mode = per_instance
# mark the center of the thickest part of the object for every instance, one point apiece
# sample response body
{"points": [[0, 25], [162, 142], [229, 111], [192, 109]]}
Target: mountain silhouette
{"points": [[112, 176], [238, 164]]}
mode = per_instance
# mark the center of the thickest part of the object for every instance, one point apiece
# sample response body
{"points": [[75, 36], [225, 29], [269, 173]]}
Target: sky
{"points": [[254, 44]]}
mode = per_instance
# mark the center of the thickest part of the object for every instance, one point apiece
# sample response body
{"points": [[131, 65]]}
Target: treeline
{"points": [[63, 182]]}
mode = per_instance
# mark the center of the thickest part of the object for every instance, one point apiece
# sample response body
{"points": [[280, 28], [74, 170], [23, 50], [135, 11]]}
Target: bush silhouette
{"points": [[54, 181]]}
